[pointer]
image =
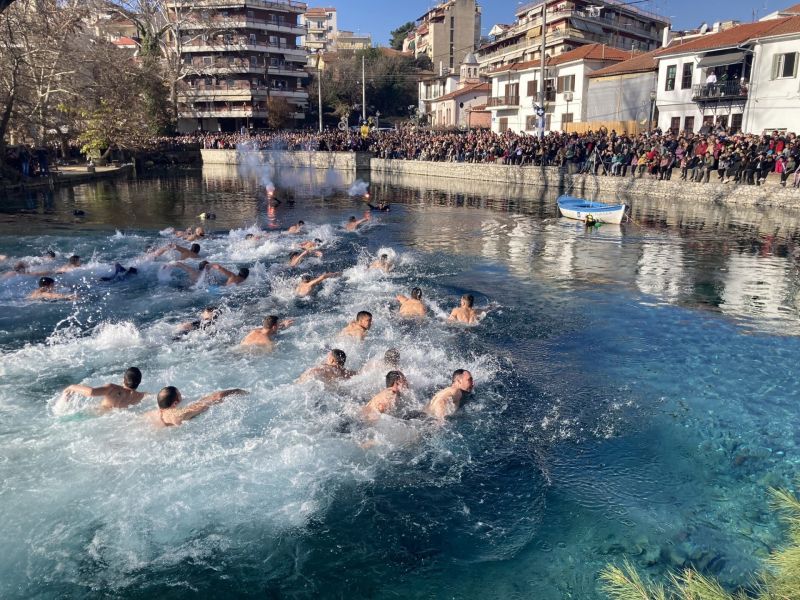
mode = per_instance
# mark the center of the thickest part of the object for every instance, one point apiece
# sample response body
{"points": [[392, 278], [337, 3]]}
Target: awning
{"points": [[589, 27], [729, 58]]}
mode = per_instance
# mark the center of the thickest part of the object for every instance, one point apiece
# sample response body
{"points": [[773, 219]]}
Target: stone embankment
{"points": [[613, 188], [342, 161]]}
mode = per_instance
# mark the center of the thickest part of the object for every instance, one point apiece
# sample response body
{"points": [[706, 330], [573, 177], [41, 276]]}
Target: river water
{"points": [[635, 395]]}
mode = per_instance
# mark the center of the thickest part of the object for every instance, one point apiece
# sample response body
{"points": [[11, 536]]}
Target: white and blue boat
{"points": [[583, 210]]}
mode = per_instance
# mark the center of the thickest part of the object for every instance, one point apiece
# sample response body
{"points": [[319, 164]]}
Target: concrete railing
{"points": [[344, 161], [607, 188]]}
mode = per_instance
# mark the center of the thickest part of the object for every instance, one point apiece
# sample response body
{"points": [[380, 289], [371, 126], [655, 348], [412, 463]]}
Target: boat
{"points": [[586, 210]]}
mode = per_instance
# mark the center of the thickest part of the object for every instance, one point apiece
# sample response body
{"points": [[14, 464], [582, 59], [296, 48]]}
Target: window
{"points": [[686, 78], [688, 124], [723, 121], [533, 88], [672, 71], [206, 61], [675, 124], [252, 38], [549, 90], [503, 124], [531, 122], [736, 122], [273, 40], [566, 118], [253, 61], [566, 84], [784, 65]]}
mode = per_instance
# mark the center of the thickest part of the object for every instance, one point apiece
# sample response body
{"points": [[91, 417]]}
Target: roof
{"points": [[470, 88], [319, 11], [124, 41], [639, 63], [792, 10], [470, 59], [588, 52], [736, 36]]}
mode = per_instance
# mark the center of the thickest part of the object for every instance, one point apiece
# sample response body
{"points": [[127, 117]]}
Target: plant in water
{"points": [[780, 579]]}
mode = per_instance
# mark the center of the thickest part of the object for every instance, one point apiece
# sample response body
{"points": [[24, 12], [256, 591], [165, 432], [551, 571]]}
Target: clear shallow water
{"points": [[636, 396]]}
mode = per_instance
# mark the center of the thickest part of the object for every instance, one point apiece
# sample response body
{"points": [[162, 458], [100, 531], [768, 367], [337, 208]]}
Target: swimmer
{"points": [[311, 244], [232, 278], [194, 273], [307, 285], [353, 223], [113, 395], [447, 401], [382, 263], [46, 291], [73, 263], [413, 306], [465, 313], [358, 328], [386, 400], [120, 273], [295, 258], [331, 370], [169, 414], [20, 268], [296, 228], [390, 360], [184, 253], [265, 335], [207, 318], [192, 236]]}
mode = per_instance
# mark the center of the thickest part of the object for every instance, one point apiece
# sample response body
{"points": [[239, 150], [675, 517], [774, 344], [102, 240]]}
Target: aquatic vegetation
{"points": [[780, 580]]}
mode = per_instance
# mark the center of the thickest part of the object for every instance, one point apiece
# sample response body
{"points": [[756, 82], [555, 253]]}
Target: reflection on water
{"points": [[620, 410]]}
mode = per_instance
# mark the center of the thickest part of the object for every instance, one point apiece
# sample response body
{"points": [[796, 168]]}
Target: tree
{"points": [[279, 112], [400, 34]]}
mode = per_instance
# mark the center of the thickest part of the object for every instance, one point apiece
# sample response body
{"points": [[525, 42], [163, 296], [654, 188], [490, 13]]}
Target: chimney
{"points": [[441, 68]]}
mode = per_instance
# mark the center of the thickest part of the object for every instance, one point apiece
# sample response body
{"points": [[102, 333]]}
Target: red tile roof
{"points": [[640, 63], [124, 41], [588, 52], [473, 87], [736, 36], [792, 10]]}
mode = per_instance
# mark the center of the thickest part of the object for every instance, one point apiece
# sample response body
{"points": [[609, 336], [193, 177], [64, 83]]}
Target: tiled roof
{"points": [[588, 52], [792, 10], [479, 108], [124, 41], [736, 36], [473, 87], [640, 63]]}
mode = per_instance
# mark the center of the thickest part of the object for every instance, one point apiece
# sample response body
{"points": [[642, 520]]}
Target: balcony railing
{"points": [[503, 101], [273, 4], [715, 92]]}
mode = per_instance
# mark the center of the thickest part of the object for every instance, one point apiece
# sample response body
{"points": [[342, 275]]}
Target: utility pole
{"points": [[363, 91], [542, 93], [319, 90]]}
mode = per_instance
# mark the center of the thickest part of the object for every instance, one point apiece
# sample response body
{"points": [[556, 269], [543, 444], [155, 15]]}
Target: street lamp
{"points": [[567, 99], [377, 119], [652, 110]]}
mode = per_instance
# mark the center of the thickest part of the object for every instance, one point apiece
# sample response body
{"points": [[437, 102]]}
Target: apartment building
{"points": [[347, 40], [569, 25], [321, 29], [446, 34], [240, 57]]}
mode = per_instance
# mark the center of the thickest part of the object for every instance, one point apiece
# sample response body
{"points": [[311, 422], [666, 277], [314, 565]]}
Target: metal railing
{"points": [[730, 90], [503, 101]]}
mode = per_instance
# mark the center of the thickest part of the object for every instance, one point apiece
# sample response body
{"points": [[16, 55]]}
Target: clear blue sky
{"points": [[379, 17]]}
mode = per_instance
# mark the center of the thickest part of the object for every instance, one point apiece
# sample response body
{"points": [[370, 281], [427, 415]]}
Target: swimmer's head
{"points": [[75, 260], [201, 266], [396, 378], [305, 278], [209, 313], [168, 397], [20, 267], [317, 241], [49, 254], [392, 357], [271, 322], [132, 378], [416, 293], [337, 357], [132, 271], [467, 300], [462, 379], [195, 248], [46, 282], [301, 223], [384, 258], [364, 319], [249, 236], [352, 219], [244, 272], [199, 232]]}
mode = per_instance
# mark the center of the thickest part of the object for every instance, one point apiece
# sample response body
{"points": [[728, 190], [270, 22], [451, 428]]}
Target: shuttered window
{"points": [[672, 71], [533, 88], [566, 83], [784, 65]]}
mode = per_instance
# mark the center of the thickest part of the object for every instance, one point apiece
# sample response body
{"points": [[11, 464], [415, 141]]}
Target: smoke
{"points": [[359, 188], [253, 165]]}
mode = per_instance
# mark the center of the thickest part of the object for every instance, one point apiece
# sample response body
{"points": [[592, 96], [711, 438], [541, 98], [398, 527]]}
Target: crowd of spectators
{"points": [[699, 157]]}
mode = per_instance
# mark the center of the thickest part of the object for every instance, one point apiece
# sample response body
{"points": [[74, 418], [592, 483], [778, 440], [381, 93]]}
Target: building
{"points": [[241, 60], [446, 34], [624, 92], [515, 88], [743, 79], [470, 94], [321, 29], [347, 40], [571, 24]]}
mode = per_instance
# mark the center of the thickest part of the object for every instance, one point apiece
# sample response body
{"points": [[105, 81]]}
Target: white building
{"points": [[515, 89], [321, 29], [743, 78]]}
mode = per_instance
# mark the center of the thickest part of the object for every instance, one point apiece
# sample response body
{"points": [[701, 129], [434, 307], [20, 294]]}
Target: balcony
{"points": [[222, 67], [242, 45], [719, 92], [241, 22], [503, 101], [232, 112], [282, 5]]}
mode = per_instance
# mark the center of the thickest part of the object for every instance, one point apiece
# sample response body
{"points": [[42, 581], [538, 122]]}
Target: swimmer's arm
{"points": [[286, 323], [223, 270], [402, 299], [87, 391], [453, 315], [207, 402], [161, 251]]}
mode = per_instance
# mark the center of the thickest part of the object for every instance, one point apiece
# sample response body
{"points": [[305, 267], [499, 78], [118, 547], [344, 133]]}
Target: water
{"points": [[635, 396]]}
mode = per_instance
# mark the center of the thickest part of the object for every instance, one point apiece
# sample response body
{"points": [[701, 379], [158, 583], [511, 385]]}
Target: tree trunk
{"points": [[4, 119]]}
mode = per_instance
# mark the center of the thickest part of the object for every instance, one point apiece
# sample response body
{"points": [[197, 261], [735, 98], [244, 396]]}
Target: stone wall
{"points": [[344, 161], [601, 188]]}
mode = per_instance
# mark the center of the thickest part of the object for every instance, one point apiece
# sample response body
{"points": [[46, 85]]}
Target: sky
{"points": [[379, 17]]}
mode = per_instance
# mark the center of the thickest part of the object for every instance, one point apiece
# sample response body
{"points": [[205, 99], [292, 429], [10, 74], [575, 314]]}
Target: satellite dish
{"points": [[704, 28]]}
